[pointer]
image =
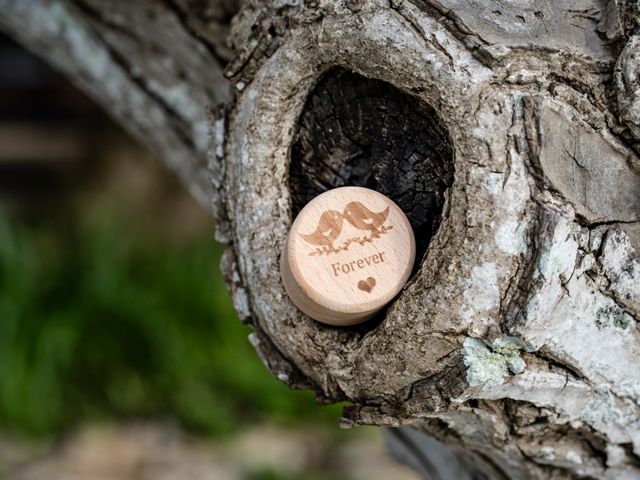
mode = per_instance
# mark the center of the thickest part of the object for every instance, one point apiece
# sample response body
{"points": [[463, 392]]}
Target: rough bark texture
{"points": [[509, 131]]}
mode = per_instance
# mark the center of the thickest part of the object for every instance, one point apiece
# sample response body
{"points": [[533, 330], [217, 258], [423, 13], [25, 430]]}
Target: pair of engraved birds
{"points": [[331, 221]]}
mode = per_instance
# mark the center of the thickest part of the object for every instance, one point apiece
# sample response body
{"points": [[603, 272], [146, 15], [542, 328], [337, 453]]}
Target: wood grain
{"points": [[348, 253]]}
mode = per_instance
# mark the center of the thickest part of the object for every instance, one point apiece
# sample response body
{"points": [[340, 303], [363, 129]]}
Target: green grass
{"points": [[101, 318]]}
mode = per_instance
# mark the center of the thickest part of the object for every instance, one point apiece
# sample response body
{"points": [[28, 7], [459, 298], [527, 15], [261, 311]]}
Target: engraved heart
{"points": [[367, 285]]}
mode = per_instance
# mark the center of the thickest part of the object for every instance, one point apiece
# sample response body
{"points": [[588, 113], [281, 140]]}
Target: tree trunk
{"points": [[507, 131]]}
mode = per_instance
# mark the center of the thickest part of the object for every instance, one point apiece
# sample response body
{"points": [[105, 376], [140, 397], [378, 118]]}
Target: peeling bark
{"points": [[509, 134]]}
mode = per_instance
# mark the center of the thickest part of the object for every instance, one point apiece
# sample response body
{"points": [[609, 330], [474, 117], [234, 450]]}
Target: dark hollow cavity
{"points": [[365, 132]]}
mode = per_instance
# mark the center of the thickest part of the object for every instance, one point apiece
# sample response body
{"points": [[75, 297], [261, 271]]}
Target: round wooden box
{"points": [[348, 253]]}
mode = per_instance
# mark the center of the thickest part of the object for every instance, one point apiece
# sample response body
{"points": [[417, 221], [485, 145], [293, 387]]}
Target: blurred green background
{"points": [[111, 297], [120, 353], [104, 315]]}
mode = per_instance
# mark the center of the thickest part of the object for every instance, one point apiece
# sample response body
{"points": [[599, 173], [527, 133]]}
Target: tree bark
{"points": [[154, 66], [509, 133]]}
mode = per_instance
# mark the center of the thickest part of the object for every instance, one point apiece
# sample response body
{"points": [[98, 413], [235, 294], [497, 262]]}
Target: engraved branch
{"points": [[348, 242]]}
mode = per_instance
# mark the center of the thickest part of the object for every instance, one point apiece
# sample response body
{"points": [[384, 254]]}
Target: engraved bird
{"points": [[329, 228], [364, 219]]}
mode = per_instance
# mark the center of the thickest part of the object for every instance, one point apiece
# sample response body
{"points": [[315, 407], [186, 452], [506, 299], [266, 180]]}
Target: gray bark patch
{"points": [[582, 164]]}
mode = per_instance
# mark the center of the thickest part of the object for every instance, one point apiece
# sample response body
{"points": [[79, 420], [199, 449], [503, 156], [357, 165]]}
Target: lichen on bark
{"points": [[489, 364]]}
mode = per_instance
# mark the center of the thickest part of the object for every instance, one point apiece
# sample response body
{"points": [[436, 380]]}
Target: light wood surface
{"points": [[348, 253]]}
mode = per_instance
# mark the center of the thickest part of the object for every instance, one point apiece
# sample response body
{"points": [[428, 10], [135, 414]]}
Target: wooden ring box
{"points": [[349, 252]]}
